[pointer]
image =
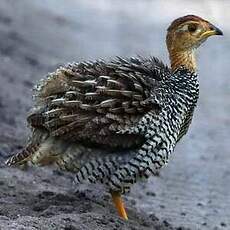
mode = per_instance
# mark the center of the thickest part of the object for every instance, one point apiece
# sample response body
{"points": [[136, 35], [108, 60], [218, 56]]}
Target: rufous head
{"points": [[189, 32]]}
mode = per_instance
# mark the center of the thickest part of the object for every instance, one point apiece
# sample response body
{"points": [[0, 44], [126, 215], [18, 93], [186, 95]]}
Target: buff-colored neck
{"points": [[182, 58]]}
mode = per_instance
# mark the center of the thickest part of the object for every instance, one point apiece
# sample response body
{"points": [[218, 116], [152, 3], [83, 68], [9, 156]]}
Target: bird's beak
{"points": [[213, 30]]}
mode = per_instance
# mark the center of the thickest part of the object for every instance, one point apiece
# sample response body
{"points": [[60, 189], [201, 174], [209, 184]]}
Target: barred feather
{"points": [[117, 121], [111, 122]]}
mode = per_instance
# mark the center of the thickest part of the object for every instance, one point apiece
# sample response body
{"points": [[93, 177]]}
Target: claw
{"points": [[116, 196]]}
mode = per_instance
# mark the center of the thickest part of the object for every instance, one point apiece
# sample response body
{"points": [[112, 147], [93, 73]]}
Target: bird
{"points": [[117, 121]]}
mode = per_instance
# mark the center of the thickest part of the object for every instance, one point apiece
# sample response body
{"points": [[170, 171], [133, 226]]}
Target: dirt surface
{"points": [[36, 36]]}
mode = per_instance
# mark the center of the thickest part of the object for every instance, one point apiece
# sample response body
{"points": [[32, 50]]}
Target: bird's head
{"points": [[184, 35]]}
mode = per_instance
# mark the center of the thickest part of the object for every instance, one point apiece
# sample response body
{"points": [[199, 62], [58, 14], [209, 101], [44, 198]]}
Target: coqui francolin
{"points": [[118, 121]]}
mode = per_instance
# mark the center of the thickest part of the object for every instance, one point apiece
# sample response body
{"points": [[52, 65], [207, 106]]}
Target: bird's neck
{"points": [[183, 58]]}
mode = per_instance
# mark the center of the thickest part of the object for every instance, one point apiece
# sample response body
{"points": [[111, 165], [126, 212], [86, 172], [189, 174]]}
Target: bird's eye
{"points": [[192, 28]]}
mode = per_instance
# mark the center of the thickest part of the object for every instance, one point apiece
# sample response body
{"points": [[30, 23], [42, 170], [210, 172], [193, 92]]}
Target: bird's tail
{"points": [[34, 143], [23, 156]]}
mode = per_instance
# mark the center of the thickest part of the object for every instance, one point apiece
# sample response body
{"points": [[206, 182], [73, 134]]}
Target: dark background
{"points": [[37, 36]]}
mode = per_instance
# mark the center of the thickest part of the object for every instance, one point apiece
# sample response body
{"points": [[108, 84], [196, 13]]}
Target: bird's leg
{"points": [[117, 200]]}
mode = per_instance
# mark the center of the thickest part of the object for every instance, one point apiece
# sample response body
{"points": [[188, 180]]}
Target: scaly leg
{"points": [[117, 200]]}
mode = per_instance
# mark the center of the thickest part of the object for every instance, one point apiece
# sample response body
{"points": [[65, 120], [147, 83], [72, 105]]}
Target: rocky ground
{"points": [[35, 37]]}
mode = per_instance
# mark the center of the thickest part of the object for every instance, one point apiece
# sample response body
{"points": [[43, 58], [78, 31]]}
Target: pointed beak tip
{"points": [[219, 32], [213, 30]]}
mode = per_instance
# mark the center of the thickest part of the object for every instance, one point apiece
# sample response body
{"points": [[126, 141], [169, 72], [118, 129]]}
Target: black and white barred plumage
{"points": [[113, 122]]}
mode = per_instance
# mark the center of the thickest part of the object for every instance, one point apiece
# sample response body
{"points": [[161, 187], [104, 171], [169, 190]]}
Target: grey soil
{"points": [[192, 192]]}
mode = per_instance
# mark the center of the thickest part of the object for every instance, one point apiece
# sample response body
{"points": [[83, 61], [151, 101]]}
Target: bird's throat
{"points": [[183, 58]]}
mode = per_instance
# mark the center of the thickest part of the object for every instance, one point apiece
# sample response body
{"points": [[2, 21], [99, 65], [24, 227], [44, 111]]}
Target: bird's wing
{"points": [[93, 101]]}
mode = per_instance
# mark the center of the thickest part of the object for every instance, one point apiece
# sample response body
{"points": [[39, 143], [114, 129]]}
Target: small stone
{"points": [[150, 193], [222, 224], [166, 223], [200, 204]]}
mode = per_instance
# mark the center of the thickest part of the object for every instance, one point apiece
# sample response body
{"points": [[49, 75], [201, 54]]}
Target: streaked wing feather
{"points": [[92, 101]]}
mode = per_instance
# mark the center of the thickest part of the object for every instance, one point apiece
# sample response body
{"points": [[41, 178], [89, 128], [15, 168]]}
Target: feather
{"points": [[86, 101]]}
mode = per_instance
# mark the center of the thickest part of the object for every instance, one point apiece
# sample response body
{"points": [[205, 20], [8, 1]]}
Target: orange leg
{"points": [[116, 196]]}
